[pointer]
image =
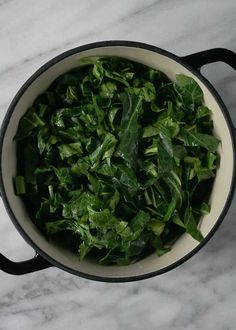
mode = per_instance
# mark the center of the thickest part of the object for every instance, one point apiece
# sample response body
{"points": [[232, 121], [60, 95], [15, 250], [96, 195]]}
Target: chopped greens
{"points": [[116, 161]]}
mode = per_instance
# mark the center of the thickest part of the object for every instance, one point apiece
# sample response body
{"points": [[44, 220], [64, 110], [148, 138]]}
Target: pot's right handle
{"points": [[199, 59]]}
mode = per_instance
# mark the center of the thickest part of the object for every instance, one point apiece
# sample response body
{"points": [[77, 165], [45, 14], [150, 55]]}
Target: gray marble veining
{"points": [[201, 294]]}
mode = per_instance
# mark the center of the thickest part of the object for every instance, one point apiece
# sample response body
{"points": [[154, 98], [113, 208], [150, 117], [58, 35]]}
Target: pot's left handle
{"points": [[23, 267]]}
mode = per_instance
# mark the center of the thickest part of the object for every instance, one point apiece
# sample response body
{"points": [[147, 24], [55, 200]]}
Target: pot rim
{"points": [[114, 43]]}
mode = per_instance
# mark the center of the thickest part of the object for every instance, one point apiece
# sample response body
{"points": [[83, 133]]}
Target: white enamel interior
{"points": [[152, 263]]}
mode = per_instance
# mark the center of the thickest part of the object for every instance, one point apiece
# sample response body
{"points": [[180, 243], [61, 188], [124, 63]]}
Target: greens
{"points": [[116, 161]]}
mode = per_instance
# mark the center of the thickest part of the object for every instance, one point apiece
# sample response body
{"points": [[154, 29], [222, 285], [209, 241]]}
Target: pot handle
{"points": [[23, 267], [197, 60]]}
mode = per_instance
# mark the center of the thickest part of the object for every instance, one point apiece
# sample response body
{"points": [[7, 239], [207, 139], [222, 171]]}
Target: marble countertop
{"points": [[201, 294]]}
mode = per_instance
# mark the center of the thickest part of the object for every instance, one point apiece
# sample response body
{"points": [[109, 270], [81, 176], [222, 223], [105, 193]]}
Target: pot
{"points": [[49, 254]]}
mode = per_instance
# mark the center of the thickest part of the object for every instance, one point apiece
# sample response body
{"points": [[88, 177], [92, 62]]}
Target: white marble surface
{"points": [[201, 294]]}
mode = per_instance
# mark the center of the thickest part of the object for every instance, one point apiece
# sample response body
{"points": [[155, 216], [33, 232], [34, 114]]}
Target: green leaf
{"points": [[150, 131], [101, 219], [144, 89], [127, 179], [84, 249], [80, 167], [106, 170], [164, 159], [114, 200], [43, 108], [163, 250], [104, 150], [68, 150], [139, 222], [128, 146], [175, 186], [206, 141], [117, 77], [108, 89], [160, 248], [28, 123], [112, 115], [165, 139], [203, 210], [170, 126], [179, 153], [157, 227], [152, 149], [170, 210], [61, 116], [54, 227], [64, 175], [204, 174], [99, 112], [41, 141], [191, 92], [20, 185], [202, 112], [71, 94], [211, 161], [98, 71], [191, 226], [79, 204], [148, 92], [178, 221]]}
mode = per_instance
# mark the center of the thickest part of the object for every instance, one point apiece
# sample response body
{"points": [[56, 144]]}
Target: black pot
{"points": [[48, 254]]}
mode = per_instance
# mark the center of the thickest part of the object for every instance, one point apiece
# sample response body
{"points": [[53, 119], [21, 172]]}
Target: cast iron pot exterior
{"points": [[192, 63]]}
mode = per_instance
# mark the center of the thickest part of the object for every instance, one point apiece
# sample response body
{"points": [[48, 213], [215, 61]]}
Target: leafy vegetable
{"points": [[20, 185], [116, 161], [128, 146]]}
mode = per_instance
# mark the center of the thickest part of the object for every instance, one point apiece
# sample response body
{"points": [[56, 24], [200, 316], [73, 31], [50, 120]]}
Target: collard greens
{"points": [[116, 161]]}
